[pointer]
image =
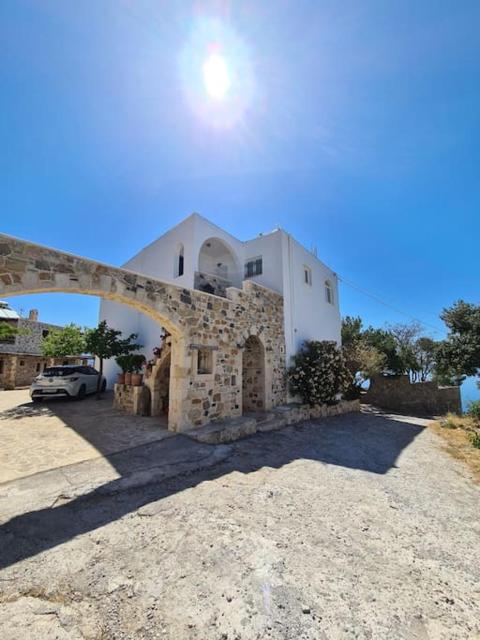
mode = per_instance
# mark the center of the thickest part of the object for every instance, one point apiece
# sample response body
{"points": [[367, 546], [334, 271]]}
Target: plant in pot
{"points": [[137, 362], [125, 364]]}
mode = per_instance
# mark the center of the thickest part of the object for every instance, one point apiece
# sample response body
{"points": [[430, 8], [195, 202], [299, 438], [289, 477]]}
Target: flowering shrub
{"points": [[319, 373]]}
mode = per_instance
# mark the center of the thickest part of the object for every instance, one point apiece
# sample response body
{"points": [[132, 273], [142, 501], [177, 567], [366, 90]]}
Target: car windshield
{"points": [[59, 372]]}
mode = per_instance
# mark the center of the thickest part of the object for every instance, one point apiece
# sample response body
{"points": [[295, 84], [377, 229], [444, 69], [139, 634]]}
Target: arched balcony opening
{"points": [[218, 268]]}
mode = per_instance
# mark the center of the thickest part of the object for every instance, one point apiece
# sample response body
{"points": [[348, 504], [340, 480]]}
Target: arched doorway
{"points": [[253, 375], [159, 382]]}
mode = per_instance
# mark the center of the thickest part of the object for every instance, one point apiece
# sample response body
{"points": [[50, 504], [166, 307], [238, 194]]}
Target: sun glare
{"points": [[216, 77]]}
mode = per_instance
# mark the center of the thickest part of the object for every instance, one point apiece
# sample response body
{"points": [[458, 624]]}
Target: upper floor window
{"points": [[307, 275], [328, 292], [253, 267], [179, 261]]}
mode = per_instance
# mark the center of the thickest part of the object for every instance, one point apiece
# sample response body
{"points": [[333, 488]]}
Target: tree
{"points": [[67, 341], [362, 360], [426, 351], [105, 342], [352, 330], [459, 355], [384, 342], [7, 332]]}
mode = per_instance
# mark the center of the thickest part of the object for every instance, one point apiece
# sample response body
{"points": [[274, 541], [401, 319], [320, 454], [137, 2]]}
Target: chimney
{"points": [[33, 315]]}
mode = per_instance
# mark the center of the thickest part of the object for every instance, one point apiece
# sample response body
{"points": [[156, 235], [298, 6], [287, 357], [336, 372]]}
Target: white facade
{"points": [[212, 259]]}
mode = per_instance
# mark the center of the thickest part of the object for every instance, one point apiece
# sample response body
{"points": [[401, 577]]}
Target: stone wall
{"points": [[397, 393], [130, 399], [20, 370], [212, 284], [30, 338], [253, 376]]}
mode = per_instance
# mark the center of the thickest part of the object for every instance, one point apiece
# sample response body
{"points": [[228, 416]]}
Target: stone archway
{"points": [[159, 381], [197, 322], [253, 375]]}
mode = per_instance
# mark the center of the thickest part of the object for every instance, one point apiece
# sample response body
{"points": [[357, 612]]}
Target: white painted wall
{"points": [[269, 247], [308, 316]]}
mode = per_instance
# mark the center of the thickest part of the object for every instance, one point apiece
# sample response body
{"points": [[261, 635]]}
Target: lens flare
{"points": [[216, 72], [216, 77]]}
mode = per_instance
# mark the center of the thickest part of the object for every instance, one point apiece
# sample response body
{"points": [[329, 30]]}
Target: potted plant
{"points": [[124, 362], [137, 361]]}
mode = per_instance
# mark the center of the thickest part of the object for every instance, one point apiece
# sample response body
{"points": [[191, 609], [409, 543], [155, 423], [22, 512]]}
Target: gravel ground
{"points": [[359, 526]]}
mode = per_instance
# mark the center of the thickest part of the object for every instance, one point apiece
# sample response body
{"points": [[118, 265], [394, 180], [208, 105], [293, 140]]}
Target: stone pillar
{"points": [[180, 374]]}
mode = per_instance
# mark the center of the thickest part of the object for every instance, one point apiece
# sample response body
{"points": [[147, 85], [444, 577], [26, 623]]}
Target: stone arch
{"points": [[26, 268], [159, 381]]}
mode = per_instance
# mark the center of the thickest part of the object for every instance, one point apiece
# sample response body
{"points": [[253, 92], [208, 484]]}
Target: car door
{"points": [[93, 378], [87, 379]]}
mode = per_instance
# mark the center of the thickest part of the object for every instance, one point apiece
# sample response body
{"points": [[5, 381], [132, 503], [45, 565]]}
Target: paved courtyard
{"points": [[358, 526], [59, 432]]}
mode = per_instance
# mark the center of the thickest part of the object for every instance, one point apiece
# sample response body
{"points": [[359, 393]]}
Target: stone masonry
{"points": [[204, 327]]}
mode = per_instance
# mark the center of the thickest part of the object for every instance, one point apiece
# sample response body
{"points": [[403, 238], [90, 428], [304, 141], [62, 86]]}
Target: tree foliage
{"points": [[105, 342], [459, 354], [67, 341], [7, 331], [319, 373], [397, 349]]}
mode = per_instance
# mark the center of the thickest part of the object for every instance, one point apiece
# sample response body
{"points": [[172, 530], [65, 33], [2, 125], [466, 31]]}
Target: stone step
{"points": [[223, 431], [274, 423]]}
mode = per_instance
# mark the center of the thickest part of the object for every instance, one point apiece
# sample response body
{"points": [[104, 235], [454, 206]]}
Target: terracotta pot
{"points": [[120, 378], [137, 379], [128, 378]]}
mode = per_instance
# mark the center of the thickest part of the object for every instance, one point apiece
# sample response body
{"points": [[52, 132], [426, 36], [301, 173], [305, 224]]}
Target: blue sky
{"points": [[356, 128]]}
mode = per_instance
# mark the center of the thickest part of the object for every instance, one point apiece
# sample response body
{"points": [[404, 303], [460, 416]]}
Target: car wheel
{"points": [[36, 399], [82, 392], [104, 385]]}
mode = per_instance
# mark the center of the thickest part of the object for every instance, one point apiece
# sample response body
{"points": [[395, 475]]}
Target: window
{"points": [[22, 363], [1, 366], [179, 262], [328, 292], [307, 275], [253, 267], [45, 333], [204, 361], [37, 368]]}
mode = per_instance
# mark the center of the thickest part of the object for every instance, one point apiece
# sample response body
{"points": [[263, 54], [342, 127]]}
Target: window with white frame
{"points": [[254, 267], [328, 292], [307, 275]]}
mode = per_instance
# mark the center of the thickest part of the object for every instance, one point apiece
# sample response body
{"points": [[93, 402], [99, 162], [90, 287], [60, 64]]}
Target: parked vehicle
{"points": [[74, 381]]}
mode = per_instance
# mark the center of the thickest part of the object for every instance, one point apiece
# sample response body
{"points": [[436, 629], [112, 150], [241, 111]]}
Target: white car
{"points": [[74, 381]]}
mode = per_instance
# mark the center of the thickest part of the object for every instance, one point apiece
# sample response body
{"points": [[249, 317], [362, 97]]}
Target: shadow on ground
{"points": [[364, 441]]}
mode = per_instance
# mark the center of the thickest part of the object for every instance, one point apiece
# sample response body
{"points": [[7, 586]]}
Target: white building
{"points": [[197, 254]]}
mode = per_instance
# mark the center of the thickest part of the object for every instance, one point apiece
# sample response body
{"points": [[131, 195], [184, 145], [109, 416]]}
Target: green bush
{"points": [[319, 373], [474, 410], [475, 439]]}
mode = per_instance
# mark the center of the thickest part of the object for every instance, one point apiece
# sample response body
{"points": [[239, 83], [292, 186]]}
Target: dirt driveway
{"points": [[359, 526]]}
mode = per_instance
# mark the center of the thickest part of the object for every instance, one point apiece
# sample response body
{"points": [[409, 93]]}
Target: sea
{"points": [[469, 391]]}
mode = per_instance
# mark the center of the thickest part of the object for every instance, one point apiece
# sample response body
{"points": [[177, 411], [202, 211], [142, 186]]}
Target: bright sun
{"points": [[216, 77]]}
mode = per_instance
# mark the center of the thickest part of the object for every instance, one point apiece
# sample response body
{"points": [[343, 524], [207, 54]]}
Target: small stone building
{"points": [[21, 358]]}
